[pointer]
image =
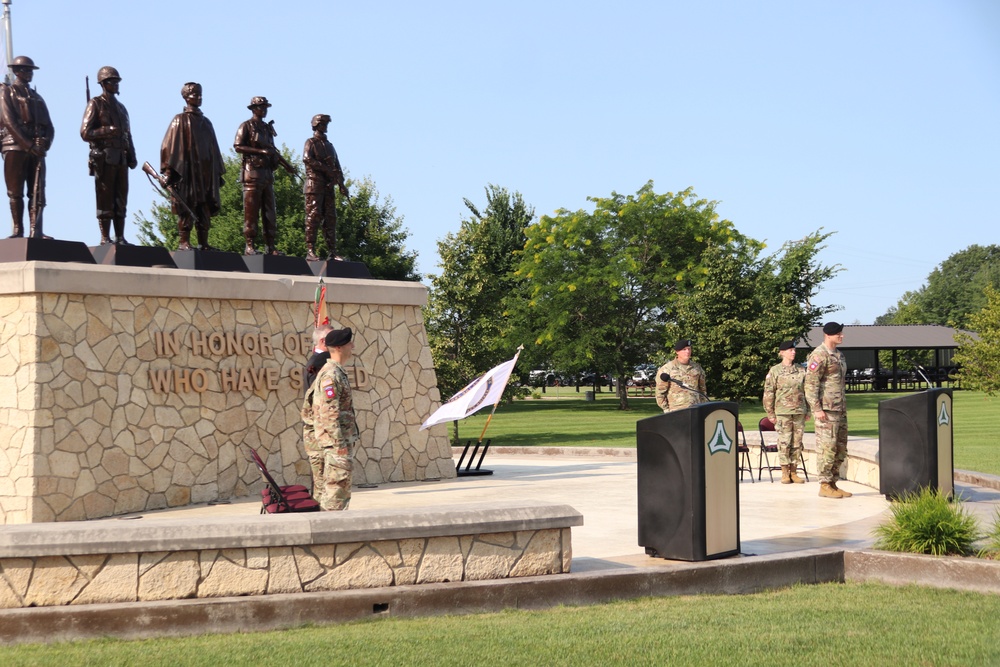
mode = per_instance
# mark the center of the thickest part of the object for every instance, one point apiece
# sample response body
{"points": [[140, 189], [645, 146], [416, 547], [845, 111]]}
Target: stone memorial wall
{"points": [[129, 389]]}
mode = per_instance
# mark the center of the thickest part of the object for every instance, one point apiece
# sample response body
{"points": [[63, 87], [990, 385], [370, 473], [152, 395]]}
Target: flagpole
{"points": [[490, 418]]}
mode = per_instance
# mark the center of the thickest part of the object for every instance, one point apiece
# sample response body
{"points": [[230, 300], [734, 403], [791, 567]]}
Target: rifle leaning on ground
{"points": [[159, 183]]}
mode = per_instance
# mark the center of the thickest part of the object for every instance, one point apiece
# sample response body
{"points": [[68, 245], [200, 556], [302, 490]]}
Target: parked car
{"points": [[538, 378], [644, 376]]}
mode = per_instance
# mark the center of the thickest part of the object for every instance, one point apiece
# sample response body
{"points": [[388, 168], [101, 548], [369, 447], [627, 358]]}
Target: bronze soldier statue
{"points": [[25, 138], [192, 168], [106, 128], [323, 172], [255, 142]]}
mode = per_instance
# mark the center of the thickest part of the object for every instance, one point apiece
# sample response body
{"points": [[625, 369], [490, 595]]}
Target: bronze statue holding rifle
{"points": [[255, 143], [25, 138], [192, 169], [323, 173], [106, 128]]}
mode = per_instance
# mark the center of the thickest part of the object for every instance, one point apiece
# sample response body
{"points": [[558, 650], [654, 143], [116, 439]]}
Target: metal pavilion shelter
{"points": [[863, 343]]}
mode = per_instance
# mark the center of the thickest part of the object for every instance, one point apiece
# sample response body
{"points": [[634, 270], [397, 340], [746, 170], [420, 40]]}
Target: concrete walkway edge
{"points": [[275, 612]]}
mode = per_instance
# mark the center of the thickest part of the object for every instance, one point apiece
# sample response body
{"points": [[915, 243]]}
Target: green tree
{"points": [[954, 291], [745, 305], [368, 229], [466, 327], [600, 286], [979, 357]]}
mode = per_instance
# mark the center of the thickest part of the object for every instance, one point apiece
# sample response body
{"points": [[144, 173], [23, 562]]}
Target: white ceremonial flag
{"points": [[478, 394]]}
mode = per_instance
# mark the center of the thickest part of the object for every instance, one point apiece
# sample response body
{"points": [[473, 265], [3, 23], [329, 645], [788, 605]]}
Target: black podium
{"points": [[688, 487], [915, 443]]}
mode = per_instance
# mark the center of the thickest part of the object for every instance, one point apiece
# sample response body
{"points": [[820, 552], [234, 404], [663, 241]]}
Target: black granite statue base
{"points": [[133, 255], [339, 268], [209, 260], [44, 250], [279, 264]]}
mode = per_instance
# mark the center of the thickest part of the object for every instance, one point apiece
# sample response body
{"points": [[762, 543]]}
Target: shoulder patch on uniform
{"points": [[813, 365], [330, 390]]}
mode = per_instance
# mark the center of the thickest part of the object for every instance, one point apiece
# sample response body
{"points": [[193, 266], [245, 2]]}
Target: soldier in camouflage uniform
{"points": [[825, 385], [330, 430], [671, 396], [785, 405]]}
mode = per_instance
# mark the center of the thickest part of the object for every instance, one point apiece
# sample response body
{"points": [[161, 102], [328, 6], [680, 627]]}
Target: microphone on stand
{"points": [[666, 378]]}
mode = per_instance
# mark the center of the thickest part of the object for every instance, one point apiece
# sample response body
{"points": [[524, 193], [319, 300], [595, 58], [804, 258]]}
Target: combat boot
{"points": [[785, 475], [331, 244], [311, 243], [203, 239], [828, 491], [843, 494], [17, 215], [105, 229], [35, 217], [120, 232], [185, 239], [793, 475]]}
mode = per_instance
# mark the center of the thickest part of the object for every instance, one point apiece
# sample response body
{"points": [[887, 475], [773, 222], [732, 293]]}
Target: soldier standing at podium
{"points": [[685, 375], [826, 385], [785, 405]]}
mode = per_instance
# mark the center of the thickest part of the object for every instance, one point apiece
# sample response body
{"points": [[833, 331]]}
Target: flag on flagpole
{"points": [[478, 394], [319, 309]]}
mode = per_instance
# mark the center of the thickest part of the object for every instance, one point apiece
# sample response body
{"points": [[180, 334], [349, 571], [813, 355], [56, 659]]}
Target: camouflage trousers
{"points": [[789, 428], [331, 472], [831, 446]]}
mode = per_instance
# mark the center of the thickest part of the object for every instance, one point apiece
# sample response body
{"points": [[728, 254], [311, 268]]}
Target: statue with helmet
{"points": [[106, 128], [255, 144], [26, 135], [323, 173]]}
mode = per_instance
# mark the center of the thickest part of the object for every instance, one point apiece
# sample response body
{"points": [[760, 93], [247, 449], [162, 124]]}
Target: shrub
{"points": [[927, 523], [537, 395], [991, 549]]}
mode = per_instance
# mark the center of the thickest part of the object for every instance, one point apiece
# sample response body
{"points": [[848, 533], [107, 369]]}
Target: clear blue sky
{"points": [[878, 120]]}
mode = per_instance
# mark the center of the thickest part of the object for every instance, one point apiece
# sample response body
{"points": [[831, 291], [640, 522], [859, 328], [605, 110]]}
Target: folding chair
{"points": [[743, 452], [767, 426], [276, 499]]}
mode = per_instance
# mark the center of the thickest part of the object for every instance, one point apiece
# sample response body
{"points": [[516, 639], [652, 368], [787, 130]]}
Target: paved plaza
{"points": [[774, 518]]}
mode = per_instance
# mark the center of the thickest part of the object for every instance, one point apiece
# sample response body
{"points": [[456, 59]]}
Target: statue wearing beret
{"points": [[192, 165]]}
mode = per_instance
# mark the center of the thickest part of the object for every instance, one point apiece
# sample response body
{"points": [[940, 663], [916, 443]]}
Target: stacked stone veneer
{"points": [[141, 560], [127, 389]]}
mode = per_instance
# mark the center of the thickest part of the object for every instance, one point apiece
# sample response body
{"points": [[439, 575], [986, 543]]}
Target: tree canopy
{"points": [[745, 305], [466, 327], [600, 285], [955, 290], [980, 357], [368, 229]]}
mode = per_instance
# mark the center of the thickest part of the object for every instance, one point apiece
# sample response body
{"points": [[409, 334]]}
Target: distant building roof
{"points": [[890, 337]]}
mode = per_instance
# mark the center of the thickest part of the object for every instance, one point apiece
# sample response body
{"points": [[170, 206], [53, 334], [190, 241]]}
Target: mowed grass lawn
{"points": [[564, 419], [823, 625]]}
